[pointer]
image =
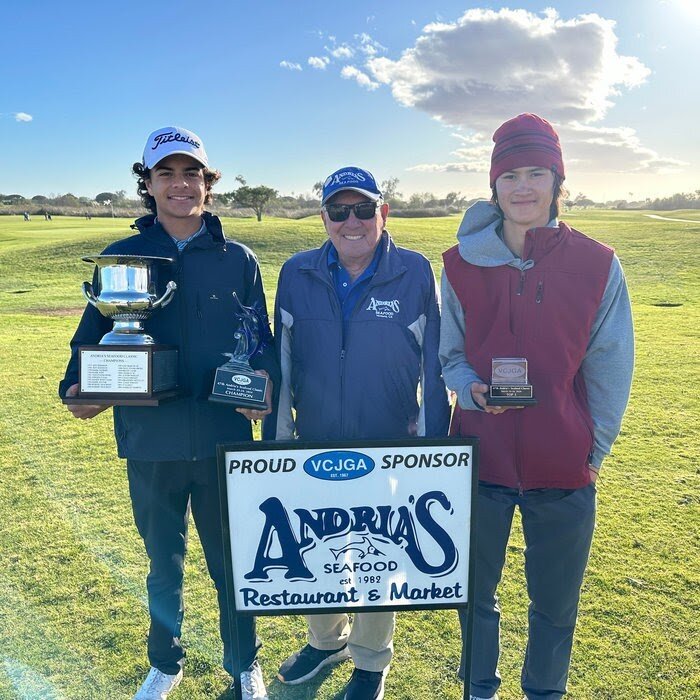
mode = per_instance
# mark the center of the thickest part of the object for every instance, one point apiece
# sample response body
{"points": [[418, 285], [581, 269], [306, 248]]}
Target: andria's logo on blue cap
{"points": [[337, 465], [351, 178]]}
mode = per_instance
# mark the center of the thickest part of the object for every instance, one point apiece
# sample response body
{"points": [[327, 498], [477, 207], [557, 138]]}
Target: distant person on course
{"points": [[357, 330], [522, 284], [170, 450]]}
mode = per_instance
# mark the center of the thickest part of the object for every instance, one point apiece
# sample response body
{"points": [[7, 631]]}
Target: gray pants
{"points": [[369, 638], [558, 528]]}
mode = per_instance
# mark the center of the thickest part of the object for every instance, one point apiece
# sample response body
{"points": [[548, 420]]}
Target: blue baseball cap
{"points": [[351, 178]]}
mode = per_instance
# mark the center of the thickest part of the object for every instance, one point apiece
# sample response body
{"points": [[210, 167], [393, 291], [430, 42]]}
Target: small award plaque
{"points": [[128, 367], [509, 384], [235, 382]]}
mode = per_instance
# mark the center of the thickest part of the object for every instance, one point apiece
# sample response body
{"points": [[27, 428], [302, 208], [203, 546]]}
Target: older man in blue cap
{"points": [[357, 325]]}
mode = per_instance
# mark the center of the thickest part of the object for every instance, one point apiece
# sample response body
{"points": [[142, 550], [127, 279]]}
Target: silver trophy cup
{"points": [[127, 367], [127, 295]]}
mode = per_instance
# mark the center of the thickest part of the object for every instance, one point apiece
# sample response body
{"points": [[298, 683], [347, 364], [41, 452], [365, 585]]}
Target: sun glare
{"points": [[689, 7]]}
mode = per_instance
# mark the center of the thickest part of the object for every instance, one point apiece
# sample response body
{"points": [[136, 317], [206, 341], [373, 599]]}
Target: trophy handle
{"points": [[167, 296], [89, 294]]}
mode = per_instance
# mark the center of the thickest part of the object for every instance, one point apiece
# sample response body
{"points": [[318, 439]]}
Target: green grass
{"points": [[72, 612]]}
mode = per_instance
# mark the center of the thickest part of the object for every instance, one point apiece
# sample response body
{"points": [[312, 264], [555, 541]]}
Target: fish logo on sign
{"points": [[338, 465], [364, 547]]}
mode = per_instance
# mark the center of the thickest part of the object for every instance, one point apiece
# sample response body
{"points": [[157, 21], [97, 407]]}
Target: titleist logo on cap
{"points": [[171, 140], [169, 136]]}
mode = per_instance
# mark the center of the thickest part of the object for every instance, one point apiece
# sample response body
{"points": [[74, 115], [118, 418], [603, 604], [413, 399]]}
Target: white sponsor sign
{"points": [[348, 526]]}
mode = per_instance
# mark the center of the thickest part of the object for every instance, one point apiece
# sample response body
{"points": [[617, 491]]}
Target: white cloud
{"points": [[290, 66], [342, 52], [618, 149], [352, 73], [586, 149], [368, 45], [23, 117], [489, 65], [318, 62]]}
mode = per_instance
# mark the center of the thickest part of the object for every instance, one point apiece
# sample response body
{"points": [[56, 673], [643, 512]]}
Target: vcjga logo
{"points": [[240, 379], [338, 464], [509, 371]]}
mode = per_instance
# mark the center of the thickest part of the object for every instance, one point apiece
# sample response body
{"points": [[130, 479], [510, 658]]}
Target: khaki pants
{"points": [[369, 639]]}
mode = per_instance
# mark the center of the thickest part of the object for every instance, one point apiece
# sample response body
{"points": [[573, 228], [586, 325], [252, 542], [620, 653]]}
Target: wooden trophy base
{"points": [[126, 375]]}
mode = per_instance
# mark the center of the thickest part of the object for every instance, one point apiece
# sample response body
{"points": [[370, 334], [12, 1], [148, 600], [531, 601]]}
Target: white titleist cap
{"points": [[172, 139]]}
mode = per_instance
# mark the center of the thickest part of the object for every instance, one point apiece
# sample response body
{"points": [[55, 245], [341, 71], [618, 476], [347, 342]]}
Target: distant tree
{"points": [[317, 189], [39, 199], [255, 198], [680, 200], [422, 199], [13, 198], [389, 189], [67, 200], [103, 197], [582, 201]]}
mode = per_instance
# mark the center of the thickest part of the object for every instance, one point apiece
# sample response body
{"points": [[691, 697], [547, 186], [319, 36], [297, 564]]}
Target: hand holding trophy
{"points": [[235, 382], [509, 383]]}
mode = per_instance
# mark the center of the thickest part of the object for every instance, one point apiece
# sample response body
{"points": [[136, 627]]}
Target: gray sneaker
{"points": [[252, 684], [304, 664], [158, 685], [476, 697]]}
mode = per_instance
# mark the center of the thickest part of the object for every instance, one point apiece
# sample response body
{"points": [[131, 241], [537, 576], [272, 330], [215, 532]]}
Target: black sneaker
{"points": [[365, 685], [304, 664]]}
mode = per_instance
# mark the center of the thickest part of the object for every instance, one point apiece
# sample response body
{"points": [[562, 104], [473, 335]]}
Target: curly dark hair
{"points": [[559, 194], [142, 173]]}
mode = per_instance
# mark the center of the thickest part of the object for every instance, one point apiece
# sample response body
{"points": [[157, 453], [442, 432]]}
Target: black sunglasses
{"points": [[341, 212]]}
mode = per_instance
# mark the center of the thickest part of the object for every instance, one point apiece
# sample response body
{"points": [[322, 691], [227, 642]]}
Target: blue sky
{"points": [[285, 92]]}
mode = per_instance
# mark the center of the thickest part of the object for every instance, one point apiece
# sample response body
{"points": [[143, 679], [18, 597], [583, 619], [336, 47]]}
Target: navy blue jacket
{"points": [[199, 321], [362, 383]]}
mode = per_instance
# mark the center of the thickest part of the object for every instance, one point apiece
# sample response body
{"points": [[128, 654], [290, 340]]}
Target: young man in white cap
{"points": [[171, 449], [357, 326]]}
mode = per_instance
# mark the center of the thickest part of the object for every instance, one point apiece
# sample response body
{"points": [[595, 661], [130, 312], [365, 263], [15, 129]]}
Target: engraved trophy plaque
{"points": [[128, 367], [509, 383], [235, 382]]}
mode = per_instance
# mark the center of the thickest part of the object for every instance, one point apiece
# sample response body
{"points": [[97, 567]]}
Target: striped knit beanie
{"points": [[525, 141]]}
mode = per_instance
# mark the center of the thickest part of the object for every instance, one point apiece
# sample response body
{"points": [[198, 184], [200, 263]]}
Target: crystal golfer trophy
{"points": [[235, 382], [128, 367], [509, 384]]}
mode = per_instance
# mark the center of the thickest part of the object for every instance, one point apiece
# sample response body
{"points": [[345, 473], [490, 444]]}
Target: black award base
{"points": [[239, 388], [511, 395]]}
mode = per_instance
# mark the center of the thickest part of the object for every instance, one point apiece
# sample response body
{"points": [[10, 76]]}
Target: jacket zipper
{"points": [[339, 308], [516, 422], [183, 334]]}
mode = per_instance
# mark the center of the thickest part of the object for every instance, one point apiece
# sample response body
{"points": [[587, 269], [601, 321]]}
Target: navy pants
{"points": [[162, 495], [558, 528]]}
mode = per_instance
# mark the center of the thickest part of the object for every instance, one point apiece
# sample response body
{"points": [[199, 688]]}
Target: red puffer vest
{"points": [[544, 314]]}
